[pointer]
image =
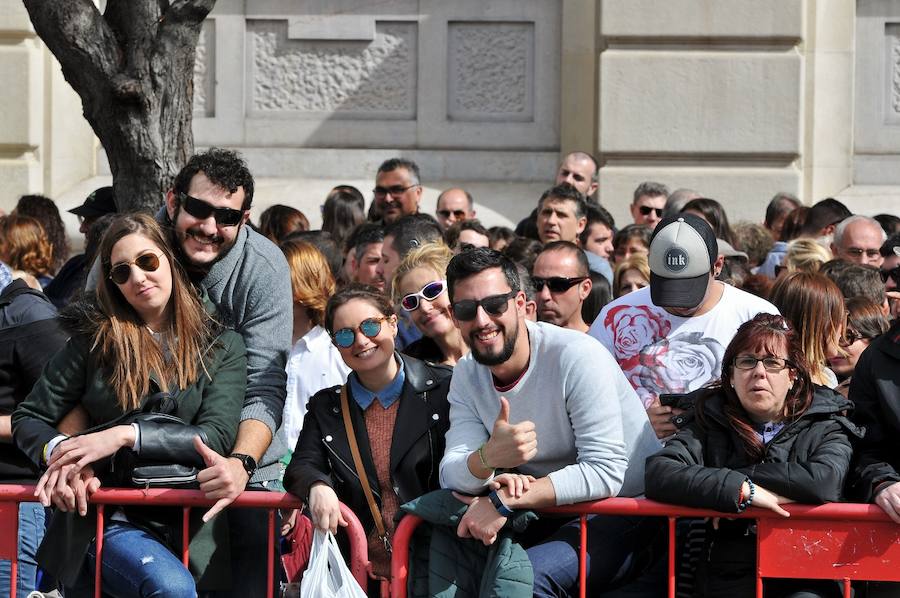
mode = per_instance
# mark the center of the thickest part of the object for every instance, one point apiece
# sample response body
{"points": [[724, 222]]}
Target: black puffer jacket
{"points": [[875, 390], [704, 464]]}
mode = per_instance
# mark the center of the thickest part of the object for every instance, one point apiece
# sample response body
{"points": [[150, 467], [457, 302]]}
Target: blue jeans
{"points": [[618, 550], [135, 565], [31, 532]]}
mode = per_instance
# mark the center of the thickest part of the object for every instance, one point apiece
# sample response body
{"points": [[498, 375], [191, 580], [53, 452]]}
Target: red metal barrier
{"points": [[11, 495], [839, 541]]}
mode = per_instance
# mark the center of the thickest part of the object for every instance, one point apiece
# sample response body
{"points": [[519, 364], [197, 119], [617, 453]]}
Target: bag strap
{"points": [[361, 472]]}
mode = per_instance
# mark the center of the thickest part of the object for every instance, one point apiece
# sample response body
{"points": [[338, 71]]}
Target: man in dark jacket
{"points": [[29, 336], [875, 390]]}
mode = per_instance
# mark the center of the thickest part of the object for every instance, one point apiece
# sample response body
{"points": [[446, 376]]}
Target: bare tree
{"points": [[133, 67]]}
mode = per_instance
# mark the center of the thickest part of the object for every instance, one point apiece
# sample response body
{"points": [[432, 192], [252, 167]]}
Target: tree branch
{"points": [[78, 36]]}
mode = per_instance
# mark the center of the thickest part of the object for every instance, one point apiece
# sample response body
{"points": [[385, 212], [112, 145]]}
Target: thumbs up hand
{"points": [[510, 445]]}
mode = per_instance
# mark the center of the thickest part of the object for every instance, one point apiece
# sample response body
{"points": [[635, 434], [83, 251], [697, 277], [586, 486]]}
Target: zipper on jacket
{"points": [[352, 469]]}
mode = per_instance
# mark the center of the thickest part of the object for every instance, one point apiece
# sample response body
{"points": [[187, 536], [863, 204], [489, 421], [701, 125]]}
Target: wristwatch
{"points": [[498, 504], [247, 461]]}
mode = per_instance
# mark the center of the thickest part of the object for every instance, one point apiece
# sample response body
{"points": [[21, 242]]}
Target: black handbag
{"points": [[167, 459], [178, 471]]}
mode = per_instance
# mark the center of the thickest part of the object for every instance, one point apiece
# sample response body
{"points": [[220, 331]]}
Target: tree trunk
{"points": [[133, 67]]}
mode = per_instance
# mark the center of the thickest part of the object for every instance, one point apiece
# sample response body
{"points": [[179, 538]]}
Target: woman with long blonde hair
{"points": [[420, 289], [145, 341]]}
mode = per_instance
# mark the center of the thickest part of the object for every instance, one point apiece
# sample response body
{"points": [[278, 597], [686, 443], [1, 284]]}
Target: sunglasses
{"points": [[850, 337], [370, 327], [892, 274], [458, 214], [121, 272], [429, 292], [556, 284], [494, 305], [645, 211], [201, 210]]}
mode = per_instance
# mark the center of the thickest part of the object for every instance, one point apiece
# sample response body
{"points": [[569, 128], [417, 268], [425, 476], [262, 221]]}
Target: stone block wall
{"points": [[45, 144], [724, 96]]}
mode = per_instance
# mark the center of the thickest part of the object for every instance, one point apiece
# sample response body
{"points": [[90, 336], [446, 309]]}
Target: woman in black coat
{"points": [[399, 413], [765, 436]]}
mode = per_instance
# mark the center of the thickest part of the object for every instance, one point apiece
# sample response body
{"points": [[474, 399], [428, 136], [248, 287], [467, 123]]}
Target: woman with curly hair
{"points": [[24, 246], [44, 210]]}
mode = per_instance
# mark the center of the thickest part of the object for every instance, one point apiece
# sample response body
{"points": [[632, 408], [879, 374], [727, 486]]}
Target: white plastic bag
{"points": [[327, 574]]}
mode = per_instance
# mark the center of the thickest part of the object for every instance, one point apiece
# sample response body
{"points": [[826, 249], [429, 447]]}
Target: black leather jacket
{"points": [[323, 451]]}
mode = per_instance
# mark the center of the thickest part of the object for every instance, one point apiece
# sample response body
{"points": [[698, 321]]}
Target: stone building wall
{"points": [[736, 99]]}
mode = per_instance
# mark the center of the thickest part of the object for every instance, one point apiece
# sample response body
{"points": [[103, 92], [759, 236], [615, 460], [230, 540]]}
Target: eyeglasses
{"points": [[382, 192], [892, 274], [201, 210], [645, 211], [771, 364], [370, 327], [494, 305], [458, 214], [858, 251], [429, 292], [556, 284], [121, 272]]}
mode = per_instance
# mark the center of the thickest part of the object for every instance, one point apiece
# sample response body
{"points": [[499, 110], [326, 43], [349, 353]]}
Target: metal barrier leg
{"points": [[582, 559], [185, 535], [270, 557], [847, 589], [98, 581], [670, 570]]}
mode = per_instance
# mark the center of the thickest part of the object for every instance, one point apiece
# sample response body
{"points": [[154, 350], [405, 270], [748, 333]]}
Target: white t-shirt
{"points": [[661, 353], [314, 364]]}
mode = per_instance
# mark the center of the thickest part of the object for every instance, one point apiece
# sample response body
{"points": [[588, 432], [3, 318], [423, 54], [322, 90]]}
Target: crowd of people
{"points": [[401, 362]]}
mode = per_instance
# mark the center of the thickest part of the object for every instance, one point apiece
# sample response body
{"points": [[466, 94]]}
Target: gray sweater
{"points": [[251, 286], [593, 432]]}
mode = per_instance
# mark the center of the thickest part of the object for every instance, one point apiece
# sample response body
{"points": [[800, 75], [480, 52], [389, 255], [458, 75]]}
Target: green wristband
{"points": [[482, 459]]}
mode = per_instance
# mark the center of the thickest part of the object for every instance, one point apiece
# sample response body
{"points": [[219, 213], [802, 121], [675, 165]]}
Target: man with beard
{"points": [[397, 189], [669, 338], [248, 280], [525, 399]]}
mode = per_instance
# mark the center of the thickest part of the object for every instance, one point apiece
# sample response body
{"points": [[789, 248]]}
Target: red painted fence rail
{"points": [[10, 495], [839, 541]]}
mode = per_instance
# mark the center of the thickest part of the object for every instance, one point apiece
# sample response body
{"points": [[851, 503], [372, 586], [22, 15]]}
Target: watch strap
{"points": [[498, 504], [247, 461]]}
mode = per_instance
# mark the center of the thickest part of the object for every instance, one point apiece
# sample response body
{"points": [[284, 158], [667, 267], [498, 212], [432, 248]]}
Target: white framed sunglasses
{"points": [[429, 292]]}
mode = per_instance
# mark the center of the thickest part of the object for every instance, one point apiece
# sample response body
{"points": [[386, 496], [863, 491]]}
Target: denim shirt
{"points": [[386, 396]]}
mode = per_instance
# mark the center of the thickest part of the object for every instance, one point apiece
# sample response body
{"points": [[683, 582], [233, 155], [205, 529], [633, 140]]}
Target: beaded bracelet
{"points": [[749, 500], [482, 459]]}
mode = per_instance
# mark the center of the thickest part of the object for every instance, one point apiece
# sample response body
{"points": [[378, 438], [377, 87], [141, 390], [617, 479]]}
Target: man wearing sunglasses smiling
{"points": [[248, 280], [539, 416]]}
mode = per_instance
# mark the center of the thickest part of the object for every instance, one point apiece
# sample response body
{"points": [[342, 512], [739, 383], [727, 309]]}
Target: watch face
{"points": [[248, 462]]}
